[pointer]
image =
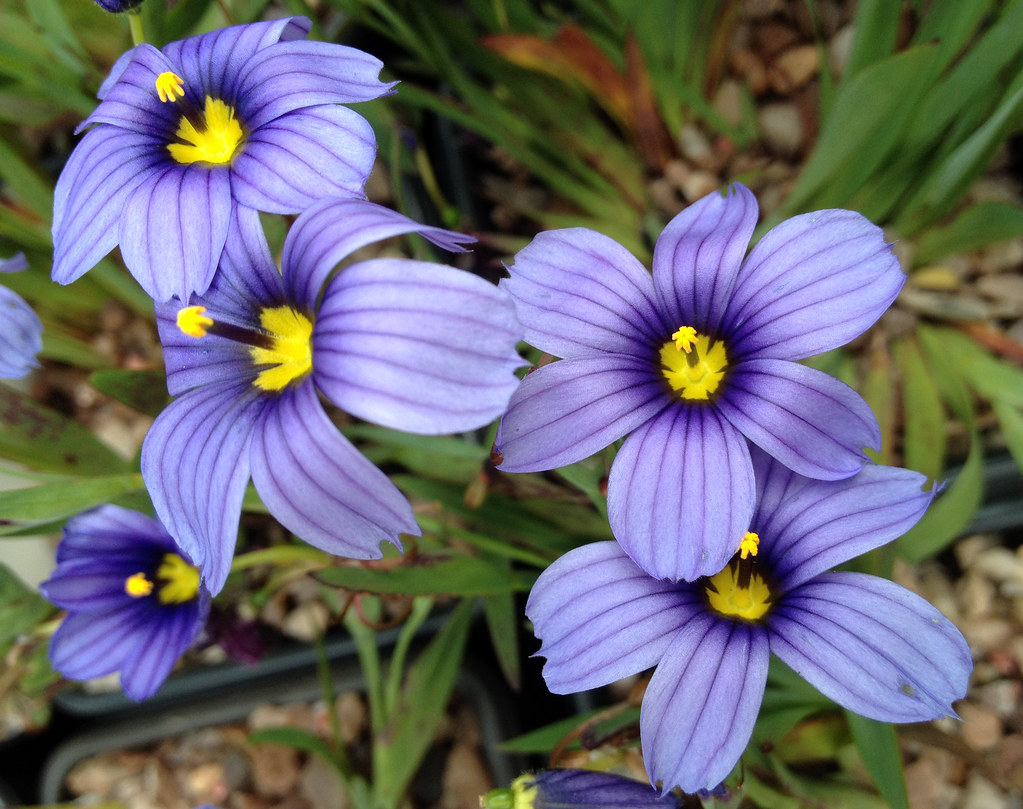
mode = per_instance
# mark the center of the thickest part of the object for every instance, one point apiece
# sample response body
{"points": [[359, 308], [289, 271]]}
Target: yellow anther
{"points": [[138, 586], [290, 355], [749, 545], [170, 86], [685, 338], [180, 580], [694, 373], [193, 322]]}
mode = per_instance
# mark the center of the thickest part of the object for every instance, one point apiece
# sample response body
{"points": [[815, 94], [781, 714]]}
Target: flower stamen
{"points": [[749, 545], [170, 86], [180, 580], [138, 586], [698, 375]]}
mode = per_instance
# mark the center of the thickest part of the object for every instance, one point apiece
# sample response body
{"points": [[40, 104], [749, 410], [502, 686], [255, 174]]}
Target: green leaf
{"points": [[545, 739], [944, 187], [880, 750], [52, 501], [924, 441], [399, 751], [875, 29], [430, 574], [145, 391], [978, 226], [503, 625], [866, 119], [1011, 421], [951, 511], [300, 739], [47, 441], [21, 609]]}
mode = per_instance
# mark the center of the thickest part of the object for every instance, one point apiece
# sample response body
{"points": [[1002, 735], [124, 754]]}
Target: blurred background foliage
{"points": [[514, 116]]}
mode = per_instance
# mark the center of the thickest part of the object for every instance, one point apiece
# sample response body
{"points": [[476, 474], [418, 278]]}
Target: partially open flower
{"points": [[134, 598], [21, 332], [576, 789]]}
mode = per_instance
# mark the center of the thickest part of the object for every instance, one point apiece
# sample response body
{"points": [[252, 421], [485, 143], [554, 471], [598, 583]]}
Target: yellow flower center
{"points": [[216, 144], [180, 580], [728, 595], [283, 343], [290, 354], [737, 591], [692, 365], [211, 135]]}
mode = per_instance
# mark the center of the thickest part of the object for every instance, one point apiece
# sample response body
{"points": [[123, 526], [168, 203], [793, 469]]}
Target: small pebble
{"points": [[981, 728]]}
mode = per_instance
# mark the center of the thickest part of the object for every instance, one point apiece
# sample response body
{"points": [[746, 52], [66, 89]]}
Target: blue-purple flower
{"points": [[576, 789], [246, 116], [405, 344], [21, 333], [118, 6], [134, 599], [870, 645], [693, 361]]}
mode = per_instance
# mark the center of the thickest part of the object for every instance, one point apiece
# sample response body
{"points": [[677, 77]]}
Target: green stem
{"points": [[421, 607], [280, 555], [369, 659], [135, 23], [327, 689]]}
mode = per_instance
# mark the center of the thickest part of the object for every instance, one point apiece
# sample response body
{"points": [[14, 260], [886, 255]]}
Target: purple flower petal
{"points": [[810, 526], [94, 584], [195, 464], [702, 702], [216, 59], [681, 493], [111, 530], [246, 279], [570, 409], [872, 646], [104, 169], [808, 420], [331, 230], [154, 656], [295, 75], [811, 284], [601, 618], [21, 335], [319, 486], [132, 102], [302, 157], [416, 346], [93, 644], [587, 789], [16, 263], [697, 257], [576, 291], [174, 227]]}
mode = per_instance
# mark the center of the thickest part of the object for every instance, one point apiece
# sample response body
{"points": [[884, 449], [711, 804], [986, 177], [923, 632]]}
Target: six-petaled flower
{"points": [[134, 598], [693, 361], [406, 344], [246, 116], [870, 645], [576, 789]]}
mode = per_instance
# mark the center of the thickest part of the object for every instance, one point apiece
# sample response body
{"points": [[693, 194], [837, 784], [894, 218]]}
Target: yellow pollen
{"points": [[727, 596], [290, 356], [179, 580], [685, 338], [749, 545], [217, 143], [694, 373], [170, 87], [138, 586], [193, 322]]}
